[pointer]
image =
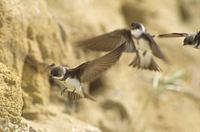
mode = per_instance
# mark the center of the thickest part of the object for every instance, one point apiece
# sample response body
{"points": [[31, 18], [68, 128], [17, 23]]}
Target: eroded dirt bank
{"points": [[127, 99]]}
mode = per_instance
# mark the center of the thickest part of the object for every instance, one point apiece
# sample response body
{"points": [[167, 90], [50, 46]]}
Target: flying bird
{"points": [[85, 72], [69, 90], [189, 39], [136, 40]]}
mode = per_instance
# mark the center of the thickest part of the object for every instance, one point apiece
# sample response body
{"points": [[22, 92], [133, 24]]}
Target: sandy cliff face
{"points": [[127, 99]]}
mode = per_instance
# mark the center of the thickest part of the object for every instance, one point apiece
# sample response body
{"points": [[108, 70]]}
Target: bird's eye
{"points": [[56, 72], [135, 26], [138, 27]]}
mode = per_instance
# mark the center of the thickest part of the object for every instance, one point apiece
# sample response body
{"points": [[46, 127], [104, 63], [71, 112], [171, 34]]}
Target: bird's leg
{"points": [[74, 90], [62, 92], [66, 89], [73, 103]]}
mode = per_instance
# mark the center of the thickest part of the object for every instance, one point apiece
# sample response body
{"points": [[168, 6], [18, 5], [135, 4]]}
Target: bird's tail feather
{"points": [[135, 62], [152, 65]]}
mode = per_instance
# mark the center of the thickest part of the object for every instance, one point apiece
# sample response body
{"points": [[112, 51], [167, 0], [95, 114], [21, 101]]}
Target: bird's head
{"points": [[189, 40], [57, 72], [137, 29]]}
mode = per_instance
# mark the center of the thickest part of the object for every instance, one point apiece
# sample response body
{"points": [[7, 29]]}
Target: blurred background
{"points": [[128, 100]]}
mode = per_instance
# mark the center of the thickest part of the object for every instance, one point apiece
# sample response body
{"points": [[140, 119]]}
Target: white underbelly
{"points": [[143, 46], [74, 84], [145, 60]]}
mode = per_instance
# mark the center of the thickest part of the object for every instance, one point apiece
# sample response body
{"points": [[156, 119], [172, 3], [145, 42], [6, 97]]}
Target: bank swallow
{"points": [[136, 40], [189, 39], [86, 72], [69, 90]]}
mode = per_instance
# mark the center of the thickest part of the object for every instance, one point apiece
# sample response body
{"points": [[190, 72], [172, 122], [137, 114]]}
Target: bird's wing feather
{"points": [[90, 70], [197, 37], [107, 41], [155, 48], [171, 35]]}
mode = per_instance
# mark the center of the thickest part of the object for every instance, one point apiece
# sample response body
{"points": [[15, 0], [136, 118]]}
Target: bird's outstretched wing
{"points": [[108, 41], [90, 70], [155, 48], [197, 37], [172, 35]]}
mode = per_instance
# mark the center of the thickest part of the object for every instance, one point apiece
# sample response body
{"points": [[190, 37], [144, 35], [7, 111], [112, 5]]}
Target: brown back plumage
{"points": [[109, 41], [90, 70], [155, 48], [171, 35]]}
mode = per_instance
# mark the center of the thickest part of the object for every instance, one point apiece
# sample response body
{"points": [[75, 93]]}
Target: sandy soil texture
{"points": [[37, 32]]}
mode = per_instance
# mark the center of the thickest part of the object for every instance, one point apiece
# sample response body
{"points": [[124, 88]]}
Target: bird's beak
{"points": [[132, 28], [50, 76], [51, 65]]}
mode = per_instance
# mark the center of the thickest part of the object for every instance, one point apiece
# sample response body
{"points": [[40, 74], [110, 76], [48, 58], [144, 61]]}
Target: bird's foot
{"points": [[63, 91], [74, 90]]}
